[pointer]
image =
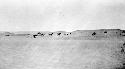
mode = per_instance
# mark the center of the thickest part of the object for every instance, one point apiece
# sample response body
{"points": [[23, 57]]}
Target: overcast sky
{"points": [[66, 15]]}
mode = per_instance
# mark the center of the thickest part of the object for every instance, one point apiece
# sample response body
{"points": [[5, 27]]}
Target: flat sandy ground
{"points": [[56, 54]]}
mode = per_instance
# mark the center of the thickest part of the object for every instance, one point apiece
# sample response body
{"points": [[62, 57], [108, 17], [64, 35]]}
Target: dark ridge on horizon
{"points": [[24, 32], [77, 33]]}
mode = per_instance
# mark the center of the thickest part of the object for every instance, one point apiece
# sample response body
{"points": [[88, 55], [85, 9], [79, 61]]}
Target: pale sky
{"points": [[64, 15]]}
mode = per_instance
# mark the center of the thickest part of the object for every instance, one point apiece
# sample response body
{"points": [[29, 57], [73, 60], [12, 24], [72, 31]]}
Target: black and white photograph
{"points": [[62, 34]]}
